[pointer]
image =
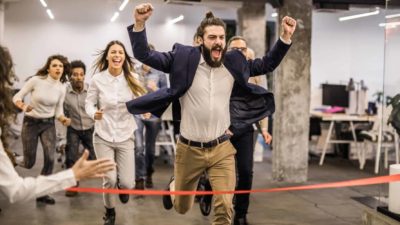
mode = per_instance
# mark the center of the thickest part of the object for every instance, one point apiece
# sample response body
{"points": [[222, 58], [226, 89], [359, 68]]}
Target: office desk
{"points": [[332, 118]]}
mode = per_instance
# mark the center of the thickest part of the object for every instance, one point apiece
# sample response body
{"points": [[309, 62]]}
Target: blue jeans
{"points": [[145, 145]]}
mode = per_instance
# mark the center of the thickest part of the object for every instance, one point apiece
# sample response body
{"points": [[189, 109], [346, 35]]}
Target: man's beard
{"points": [[207, 55], [77, 85]]}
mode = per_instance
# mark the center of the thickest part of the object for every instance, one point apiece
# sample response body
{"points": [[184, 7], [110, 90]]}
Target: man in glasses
{"points": [[244, 145]]}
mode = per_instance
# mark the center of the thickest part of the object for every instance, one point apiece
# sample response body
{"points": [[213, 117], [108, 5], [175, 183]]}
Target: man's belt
{"points": [[209, 144]]}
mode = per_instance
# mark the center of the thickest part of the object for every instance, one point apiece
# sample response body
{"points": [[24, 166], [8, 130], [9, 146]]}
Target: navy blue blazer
{"points": [[249, 103]]}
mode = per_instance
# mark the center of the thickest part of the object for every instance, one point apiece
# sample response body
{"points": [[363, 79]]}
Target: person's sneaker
{"points": [[139, 184], [149, 181], [167, 200], [46, 200], [109, 217]]}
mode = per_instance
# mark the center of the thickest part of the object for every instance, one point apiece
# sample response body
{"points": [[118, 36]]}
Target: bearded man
{"points": [[216, 101]]}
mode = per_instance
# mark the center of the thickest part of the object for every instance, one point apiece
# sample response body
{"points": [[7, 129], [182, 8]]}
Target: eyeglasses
{"points": [[242, 49]]}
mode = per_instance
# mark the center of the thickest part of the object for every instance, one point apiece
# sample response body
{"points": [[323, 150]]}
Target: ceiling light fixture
{"points": [[124, 3], [114, 17], [177, 19], [50, 14], [376, 12], [392, 16], [44, 4], [390, 25]]}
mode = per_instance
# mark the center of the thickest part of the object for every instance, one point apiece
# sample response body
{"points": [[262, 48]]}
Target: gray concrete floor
{"points": [[327, 207]]}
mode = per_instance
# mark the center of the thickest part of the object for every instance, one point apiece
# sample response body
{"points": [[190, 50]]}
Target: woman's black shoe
{"points": [[109, 217], [46, 200], [167, 201]]}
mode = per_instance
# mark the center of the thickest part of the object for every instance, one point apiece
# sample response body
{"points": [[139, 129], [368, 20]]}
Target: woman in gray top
{"points": [[16, 188], [47, 93]]}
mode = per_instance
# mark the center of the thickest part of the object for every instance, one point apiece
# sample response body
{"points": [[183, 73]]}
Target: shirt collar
{"points": [[71, 90], [202, 61], [111, 78]]}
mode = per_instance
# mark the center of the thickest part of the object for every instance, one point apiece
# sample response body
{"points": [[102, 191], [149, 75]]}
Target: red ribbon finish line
{"points": [[349, 183]]}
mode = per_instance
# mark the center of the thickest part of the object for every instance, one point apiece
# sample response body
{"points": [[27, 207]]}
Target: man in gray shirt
{"points": [[81, 128]]}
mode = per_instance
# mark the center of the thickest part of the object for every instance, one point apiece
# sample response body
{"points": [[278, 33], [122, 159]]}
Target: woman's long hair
{"points": [[64, 60], [7, 108], [101, 64]]}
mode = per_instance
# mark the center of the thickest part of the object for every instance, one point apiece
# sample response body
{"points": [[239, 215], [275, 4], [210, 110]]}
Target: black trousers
{"points": [[244, 144], [74, 138], [34, 129]]}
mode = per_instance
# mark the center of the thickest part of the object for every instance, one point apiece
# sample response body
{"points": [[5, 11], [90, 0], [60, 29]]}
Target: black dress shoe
{"points": [[109, 217], [167, 201], [46, 200], [240, 221], [124, 198], [71, 194]]}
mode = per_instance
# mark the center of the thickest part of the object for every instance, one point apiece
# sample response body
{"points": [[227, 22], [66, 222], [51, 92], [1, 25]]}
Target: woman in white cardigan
{"points": [[16, 188], [110, 88]]}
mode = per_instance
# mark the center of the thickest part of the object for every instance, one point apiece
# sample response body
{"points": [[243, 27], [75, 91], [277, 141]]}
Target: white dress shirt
{"points": [[110, 93], [16, 188], [205, 106], [47, 97]]}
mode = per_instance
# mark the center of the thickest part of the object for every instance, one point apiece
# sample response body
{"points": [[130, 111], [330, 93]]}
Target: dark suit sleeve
{"points": [[158, 60], [269, 62]]}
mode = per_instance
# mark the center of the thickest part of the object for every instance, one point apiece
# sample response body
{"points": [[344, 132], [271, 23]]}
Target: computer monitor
{"points": [[335, 95]]}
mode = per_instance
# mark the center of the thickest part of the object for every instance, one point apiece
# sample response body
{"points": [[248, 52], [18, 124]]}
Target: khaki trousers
{"points": [[123, 155], [219, 163]]}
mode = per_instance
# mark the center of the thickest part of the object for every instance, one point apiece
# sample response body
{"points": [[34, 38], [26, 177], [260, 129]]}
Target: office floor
{"points": [[316, 207]]}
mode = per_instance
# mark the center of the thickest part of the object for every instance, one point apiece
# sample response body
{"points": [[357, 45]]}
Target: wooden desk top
{"points": [[343, 117]]}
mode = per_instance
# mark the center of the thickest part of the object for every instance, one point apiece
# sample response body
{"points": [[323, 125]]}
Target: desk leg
{"points": [[378, 149], [396, 146], [360, 151], [328, 138]]}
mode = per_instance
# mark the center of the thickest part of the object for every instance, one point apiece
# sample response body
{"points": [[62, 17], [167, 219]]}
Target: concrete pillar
{"points": [[292, 98], [2, 9], [252, 23]]}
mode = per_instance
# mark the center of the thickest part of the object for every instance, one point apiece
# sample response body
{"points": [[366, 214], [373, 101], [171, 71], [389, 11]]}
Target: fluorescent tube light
{"points": [[124, 3], [114, 17], [177, 19], [50, 14], [44, 4], [359, 15], [274, 14], [392, 16], [390, 25]]}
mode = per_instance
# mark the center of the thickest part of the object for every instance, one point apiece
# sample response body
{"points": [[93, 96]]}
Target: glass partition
{"points": [[389, 143]]}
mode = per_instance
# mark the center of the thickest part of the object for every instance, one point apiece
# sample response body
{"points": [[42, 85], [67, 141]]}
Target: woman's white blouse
{"points": [[109, 94]]}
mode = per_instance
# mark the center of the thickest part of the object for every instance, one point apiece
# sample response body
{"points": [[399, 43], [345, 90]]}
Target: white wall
{"points": [[81, 28], [340, 50], [348, 49]]}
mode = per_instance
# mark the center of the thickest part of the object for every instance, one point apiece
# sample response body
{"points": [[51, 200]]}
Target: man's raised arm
{"points": [[274, 57], [138, 38]]}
